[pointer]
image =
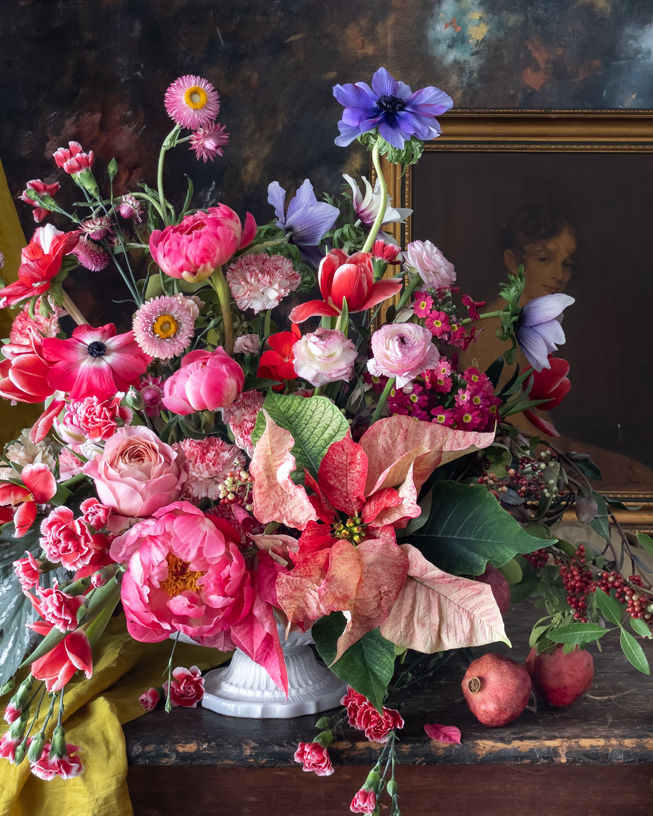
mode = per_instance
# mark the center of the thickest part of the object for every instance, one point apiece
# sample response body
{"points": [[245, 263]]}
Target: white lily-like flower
{"points": [[367, 203]]}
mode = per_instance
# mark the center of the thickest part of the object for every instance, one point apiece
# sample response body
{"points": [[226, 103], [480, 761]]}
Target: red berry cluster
{"points": [[528, 480], [579, 583], [637, 603], [538, 559], [236, 489]]}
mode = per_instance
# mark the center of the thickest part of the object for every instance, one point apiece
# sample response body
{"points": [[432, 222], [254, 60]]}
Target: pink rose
{"points": [[187, 687], [314, 757], [431, 265], [183, 576], [150, 699], [58, 608], [363, 802], [27, 571], [206, 381], [202, 242], [67, 766], [402, 350], [324, 356], [66, 539], [137, 473]]}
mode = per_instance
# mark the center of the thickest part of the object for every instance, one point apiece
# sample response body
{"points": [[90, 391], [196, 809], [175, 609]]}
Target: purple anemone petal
{"points": [[430, 101], [359, 95], [358, 116], [309, 224], [393, 134], [533, 347], [552, 333], [544, 308], [384, 84], [415, 125], [347, 134], [304, 197], [276, 199]]}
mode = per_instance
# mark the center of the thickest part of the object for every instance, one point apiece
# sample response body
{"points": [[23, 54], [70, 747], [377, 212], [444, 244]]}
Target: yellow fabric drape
{"points": [[95, 709], [13, 418]]}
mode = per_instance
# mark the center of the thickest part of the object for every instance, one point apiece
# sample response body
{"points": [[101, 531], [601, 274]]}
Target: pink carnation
{"points": [[72, 159], [67, 766], [24, 324], [431, 265], [96, 514], [377, 727], [66, 539], [150, 699], [12, 713], [208, 462], [8, 745], [69, 465], [96, 418], [27, 571], [186, 688], [363, 802], [247, 344], [58, 608], [241, 418], [183, 576], [314, 757], [260, 281], [402, 350], [42, 189]]}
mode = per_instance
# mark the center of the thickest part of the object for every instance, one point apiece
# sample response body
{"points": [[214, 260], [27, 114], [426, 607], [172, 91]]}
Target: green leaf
{"points": [[601, 522], [645, 542], [315, 423], [467, 528], [609, 607], [634, 652], [576, 633], [584, 464], [512, 572], [367, 666], [641, 627]]}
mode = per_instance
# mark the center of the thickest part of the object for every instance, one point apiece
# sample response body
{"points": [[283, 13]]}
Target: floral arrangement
{"points": [[212, 467]]}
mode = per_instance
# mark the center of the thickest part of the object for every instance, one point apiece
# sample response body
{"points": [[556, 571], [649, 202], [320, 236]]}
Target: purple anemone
{"points": [[306, 220], [538, 329], [391, 108]]}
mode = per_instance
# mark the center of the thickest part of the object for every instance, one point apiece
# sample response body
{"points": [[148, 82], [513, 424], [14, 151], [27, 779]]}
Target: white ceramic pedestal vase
{"points": [[245, 689]]}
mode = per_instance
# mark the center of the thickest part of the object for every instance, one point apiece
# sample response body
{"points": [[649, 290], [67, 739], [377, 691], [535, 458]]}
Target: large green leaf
{"points": [[467, 528], [634, 652], [16, 611], [314, 423], [367, 666]]}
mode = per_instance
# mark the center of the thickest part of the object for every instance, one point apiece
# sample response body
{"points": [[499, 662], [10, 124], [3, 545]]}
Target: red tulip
{"points": [[58, 666], [346, 276], [550, 384], [40, 487], [24, 371]]}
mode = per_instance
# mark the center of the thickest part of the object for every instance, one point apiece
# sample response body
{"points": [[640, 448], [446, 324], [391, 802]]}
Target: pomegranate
{"points": [[499, 586], [559, 678], [496, 689]]}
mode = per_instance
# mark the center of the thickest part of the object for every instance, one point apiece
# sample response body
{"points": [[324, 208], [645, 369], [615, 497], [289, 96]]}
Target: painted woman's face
{"points": [[547, 264]]}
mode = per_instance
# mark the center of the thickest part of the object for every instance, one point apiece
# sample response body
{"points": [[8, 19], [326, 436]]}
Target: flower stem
{"points": [[72, 310], [169, 141], [383, 399], [378, 221], [168, 706], [484, 316], [408, 291], [219, 283]]}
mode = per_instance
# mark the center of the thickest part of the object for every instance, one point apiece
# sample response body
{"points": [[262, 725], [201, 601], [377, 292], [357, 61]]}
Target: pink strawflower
{"points": [[24, 324], [73, 160], [58, 608], [66, 539], [208, 141], [163, 327], [42, 189], [186, 688], [314, 757], [150, 699], [91, 255], [97, 228], [94, 361], [431, 265], [95, 418], [95, 513], [363, 802], [67, 766], [260, 281], [402, 350], [131, 207], [241, 418], [27, 570], [151, 389], [192, 102], [208, 461], [247, 344]]}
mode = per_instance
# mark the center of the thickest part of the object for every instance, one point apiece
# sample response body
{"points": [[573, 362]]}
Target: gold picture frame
{"points": [[576, 133]]}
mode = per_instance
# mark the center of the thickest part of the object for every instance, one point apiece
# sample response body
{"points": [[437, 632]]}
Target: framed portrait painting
{"points": [[569, 195]]}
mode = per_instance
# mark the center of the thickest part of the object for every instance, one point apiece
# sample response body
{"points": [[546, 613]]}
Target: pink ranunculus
{"points": [[431, 265], [94, 362], [206, 381], [137, 473], [363, 802], [324, 356], [67, 766], [66, 539], [186, 688], [57, 607], [27, 571], [183, 576], [314, 757], [150, 699], [201, 243], [402, 350], [58, 666]]}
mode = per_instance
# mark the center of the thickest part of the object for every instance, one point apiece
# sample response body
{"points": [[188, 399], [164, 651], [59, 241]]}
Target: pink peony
{"points": [[43, 190], [182, 576], [58, 608], [431, 265], [66, 539], [314, 757], [247, 344], [201, 243], [261, 281], [324, 356], [150, 699], [96, 419], [206, 381], [67, 766], [94, 362], [402, 350], [137, 473], [186, 688], [363, 802], [27, 571], [241, 415], [208, 462]]}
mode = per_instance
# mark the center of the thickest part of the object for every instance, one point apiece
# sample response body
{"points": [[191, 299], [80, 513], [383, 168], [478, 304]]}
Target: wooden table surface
{"points": [[591, 759]]}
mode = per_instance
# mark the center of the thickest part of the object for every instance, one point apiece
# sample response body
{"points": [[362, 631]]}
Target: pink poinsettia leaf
{"points": [[257, 636], [436, 611], [276, 497], [398, 515], [342, 475], [443, 733], [323, 507], [381, 500]]}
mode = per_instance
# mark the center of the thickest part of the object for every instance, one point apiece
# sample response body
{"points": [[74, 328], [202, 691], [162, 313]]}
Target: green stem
{"points": [[221, 287], [408, 291], [378, 221], [383, 399], [168, 142], [168, 705], [484, 316], [267, 326]]}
